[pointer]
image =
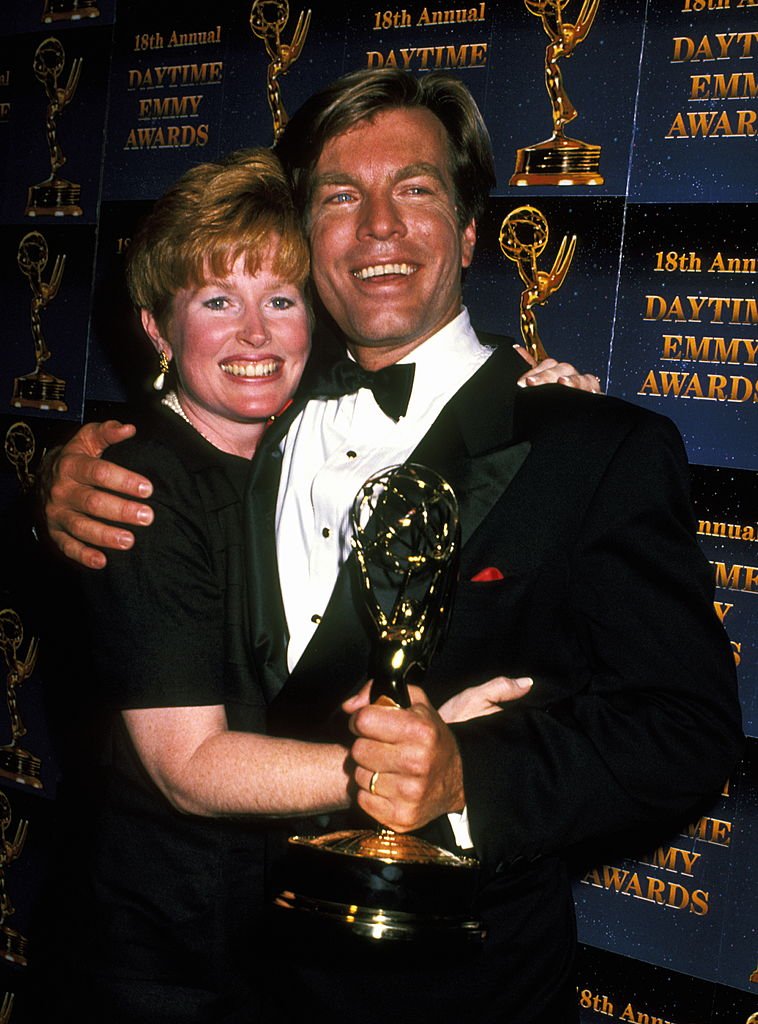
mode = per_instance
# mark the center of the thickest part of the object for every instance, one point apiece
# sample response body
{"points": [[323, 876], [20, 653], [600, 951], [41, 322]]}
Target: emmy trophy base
{"points": [[54, 198], [382, 886], [558, 161], [39, 390], [69, 10], [20, 766]]}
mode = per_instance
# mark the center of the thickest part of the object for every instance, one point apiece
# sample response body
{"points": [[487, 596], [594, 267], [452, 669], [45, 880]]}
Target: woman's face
{"points": [[239, 345]]}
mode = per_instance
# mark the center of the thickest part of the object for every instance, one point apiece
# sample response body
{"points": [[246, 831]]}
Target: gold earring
{"points": [[163, 368]]}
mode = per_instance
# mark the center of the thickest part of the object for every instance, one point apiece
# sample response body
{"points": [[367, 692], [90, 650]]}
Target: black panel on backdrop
{"points": [[55, 124], [577, 322]]}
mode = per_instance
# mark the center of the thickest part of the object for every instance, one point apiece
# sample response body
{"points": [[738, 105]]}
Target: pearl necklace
{"points": [[171, 401]]}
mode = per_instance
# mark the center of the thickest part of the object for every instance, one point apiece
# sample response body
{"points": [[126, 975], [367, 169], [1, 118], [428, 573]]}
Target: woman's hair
{"points": [[215, 214], [362, 95]]}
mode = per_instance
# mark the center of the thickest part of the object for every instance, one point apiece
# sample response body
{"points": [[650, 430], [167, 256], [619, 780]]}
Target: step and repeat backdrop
{"points": [[622, 236]]}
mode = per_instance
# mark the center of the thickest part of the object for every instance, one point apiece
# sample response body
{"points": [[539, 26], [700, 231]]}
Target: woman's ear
{"points": [[154, 333]]}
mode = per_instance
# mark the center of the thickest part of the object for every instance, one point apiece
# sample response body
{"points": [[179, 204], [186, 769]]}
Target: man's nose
{"points": [[381, 217]]}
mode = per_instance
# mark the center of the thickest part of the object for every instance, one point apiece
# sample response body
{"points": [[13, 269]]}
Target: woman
{"points": [[172, 907]]}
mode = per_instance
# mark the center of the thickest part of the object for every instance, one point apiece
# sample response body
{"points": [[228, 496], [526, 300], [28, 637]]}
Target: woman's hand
{"points": [[550, 371], [473, 702], [485, 699]]}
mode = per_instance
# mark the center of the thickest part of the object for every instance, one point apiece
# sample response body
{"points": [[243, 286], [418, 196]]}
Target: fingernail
{"points": [[145, 516], [521, 383], [524, 683], [124, 540], [144, 490]]}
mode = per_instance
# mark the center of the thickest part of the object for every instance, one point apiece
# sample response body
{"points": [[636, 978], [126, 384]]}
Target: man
{"points": [[579, 569]]}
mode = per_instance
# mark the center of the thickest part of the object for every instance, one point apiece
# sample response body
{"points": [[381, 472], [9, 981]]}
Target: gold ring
{"points": [[372, 784]]}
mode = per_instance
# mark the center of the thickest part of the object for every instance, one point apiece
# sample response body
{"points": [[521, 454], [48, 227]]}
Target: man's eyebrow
{"points": [[331, 178]]}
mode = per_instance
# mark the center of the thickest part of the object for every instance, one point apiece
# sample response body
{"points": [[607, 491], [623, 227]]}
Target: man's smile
{"points": [[382, 269]]}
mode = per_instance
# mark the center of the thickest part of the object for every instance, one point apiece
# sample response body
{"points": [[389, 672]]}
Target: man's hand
{"points": [[412, 758], [75, 500], [549, 371]]}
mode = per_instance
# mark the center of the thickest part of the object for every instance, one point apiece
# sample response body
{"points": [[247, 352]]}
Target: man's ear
{"points": [[468, 243], [154, 333]]}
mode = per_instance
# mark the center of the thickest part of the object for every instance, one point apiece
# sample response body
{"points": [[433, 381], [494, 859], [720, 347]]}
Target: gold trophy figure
{"points": [[14, 945], [15, 762], [559, 160], [523, 236], [19, 450], [68, 10], [6, 1008], [54, 197], [268, 19], [38, 389], [375, 883]]}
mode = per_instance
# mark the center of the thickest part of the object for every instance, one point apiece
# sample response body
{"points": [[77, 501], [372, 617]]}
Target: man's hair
{"points": [[364, 94], [214, 214]]}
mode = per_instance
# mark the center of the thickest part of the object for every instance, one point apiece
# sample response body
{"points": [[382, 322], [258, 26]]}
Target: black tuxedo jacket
{"points": [[581, 503]]}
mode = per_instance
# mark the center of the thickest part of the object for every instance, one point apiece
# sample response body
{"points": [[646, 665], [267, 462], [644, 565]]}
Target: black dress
{"points": [[168, 905]]}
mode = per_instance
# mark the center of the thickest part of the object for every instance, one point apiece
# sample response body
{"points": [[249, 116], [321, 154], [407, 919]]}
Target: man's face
{"points": [[386, 246]]}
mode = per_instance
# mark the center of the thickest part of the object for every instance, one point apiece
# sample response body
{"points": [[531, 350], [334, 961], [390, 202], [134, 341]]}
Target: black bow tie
{"points": [[391, 386]]}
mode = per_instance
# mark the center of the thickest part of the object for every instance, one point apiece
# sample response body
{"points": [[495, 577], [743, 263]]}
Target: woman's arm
{"points": [[203, 768]]}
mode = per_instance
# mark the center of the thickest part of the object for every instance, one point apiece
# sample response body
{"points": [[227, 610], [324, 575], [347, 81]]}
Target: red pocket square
{"points": [[487, 575]]}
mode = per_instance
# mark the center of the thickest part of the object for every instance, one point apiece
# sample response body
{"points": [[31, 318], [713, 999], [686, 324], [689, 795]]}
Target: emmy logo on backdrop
{"points": [[19, 450], [559, 160], [523, 237], [268, 19], [13, 945], [68, 10], [54, 197], [15, 762], [374, 883], [39, 389]]}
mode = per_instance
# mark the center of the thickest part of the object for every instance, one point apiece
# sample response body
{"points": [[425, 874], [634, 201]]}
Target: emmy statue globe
{"points": [[374, 883], [268, 19], [523, 237], [560, 160], [54, 197], [69, 10], [39, 389], [19, 450]]}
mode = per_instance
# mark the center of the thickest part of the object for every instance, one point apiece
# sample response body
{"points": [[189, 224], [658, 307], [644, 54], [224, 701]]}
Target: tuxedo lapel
{"points": [[471, 444], [268, 625]]}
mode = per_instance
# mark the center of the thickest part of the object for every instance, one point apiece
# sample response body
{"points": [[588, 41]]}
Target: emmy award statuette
{"points": [[559, 160], [68, 10], [268, 19], [19, 450], [523, 237], [38, 389], [13, 945], [6, 1007], [375, 883], [54, 197], [15, 762]]}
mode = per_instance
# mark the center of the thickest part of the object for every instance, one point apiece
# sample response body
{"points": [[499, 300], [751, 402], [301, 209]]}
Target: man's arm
{"points": [[80, 490], [76, 489]]}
